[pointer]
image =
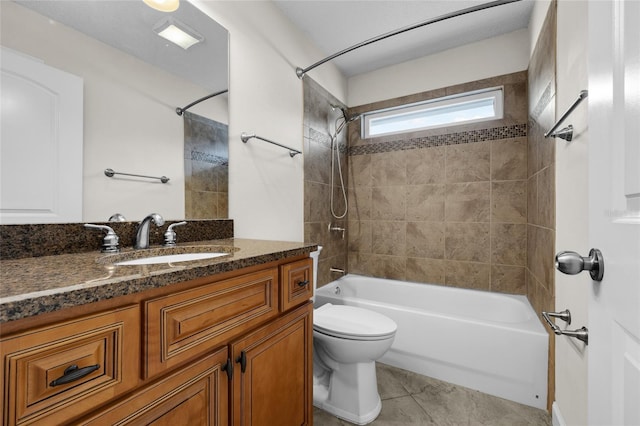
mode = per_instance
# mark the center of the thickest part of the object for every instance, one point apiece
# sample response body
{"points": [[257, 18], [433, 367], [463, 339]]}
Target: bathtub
{"points": [[490, 342]]}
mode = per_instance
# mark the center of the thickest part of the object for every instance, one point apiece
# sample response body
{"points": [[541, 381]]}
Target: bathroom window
{"points": [[464, 108]]}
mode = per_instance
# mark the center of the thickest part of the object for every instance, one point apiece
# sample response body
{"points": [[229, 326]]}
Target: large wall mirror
{"points": [[132, 81]]}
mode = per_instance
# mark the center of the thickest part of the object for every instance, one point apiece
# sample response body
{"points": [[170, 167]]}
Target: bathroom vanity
{"points": [[218, 341]]}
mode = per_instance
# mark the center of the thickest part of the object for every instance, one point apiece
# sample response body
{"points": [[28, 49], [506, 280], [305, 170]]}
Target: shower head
{"points": [[345, 114]]}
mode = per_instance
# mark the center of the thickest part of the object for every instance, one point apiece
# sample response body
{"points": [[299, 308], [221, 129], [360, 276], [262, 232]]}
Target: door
{"points": [[272, 380], [614, 212], [41, 142]]}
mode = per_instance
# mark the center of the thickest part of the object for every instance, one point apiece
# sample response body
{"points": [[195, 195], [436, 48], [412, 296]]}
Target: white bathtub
{"points": [[490, 342]]}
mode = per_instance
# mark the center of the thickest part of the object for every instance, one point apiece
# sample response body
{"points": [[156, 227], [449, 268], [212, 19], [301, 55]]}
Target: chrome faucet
{"points": [[142, 238]]}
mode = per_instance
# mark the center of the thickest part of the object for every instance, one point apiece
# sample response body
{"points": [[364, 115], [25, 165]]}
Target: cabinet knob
{"points": [[303, 283]]}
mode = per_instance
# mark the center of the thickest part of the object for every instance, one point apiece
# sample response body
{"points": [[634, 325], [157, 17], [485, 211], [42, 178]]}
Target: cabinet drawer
{"points": [[195, 395], [183, 325], [56, 373], [297, 283]]}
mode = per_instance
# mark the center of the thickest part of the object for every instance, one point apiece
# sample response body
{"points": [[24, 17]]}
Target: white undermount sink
{"points": [[171, 258]]}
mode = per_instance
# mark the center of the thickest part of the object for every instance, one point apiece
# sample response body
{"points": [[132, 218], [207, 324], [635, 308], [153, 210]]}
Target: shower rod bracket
{"points": [[180, 111], [301, 72]]}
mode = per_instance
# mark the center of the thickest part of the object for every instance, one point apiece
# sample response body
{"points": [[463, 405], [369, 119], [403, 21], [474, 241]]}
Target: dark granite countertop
{"points": [[36, 285]]}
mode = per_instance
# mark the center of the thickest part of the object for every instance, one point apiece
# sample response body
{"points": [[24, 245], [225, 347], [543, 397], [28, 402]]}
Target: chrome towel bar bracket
{"points": [[567, 132], [581, 334], [246, 136]]}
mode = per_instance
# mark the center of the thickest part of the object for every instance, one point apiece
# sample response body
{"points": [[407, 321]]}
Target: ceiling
{"points": [[128, 26], [335, 25]]}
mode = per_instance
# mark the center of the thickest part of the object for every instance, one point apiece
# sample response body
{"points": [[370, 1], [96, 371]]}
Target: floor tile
{"points": [[412, 399]]}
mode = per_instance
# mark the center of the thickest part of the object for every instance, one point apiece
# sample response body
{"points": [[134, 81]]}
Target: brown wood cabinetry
{"points": [[195, 395], [273, 381], [234, 348], [52, 374], [183, 325], [297, 283]]}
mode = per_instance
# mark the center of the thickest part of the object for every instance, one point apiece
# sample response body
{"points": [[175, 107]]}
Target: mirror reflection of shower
{"points": [[340, 123]]}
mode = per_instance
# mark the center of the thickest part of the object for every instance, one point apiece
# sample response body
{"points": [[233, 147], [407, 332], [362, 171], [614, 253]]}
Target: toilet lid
{"points": [[352, 323]]}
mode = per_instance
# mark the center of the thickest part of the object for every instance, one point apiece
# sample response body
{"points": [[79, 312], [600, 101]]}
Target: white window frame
{"points": [[495, 93]]}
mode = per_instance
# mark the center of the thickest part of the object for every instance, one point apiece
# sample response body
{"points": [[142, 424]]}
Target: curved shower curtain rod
{"points": [[300, 72], [179, 111]]}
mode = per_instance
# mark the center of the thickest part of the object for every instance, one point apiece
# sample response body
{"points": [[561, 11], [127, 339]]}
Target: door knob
{"points": [[571, 263]]}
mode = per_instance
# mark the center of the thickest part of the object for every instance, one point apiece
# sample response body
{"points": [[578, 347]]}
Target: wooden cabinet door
{"points": [[196, 395], [272, 382]]}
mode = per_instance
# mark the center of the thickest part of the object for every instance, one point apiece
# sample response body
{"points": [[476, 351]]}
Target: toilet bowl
{"points": [[347, 341]]}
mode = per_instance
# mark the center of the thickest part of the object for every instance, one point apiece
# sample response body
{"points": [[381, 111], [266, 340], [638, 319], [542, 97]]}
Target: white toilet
{"points": [[347, 341]]}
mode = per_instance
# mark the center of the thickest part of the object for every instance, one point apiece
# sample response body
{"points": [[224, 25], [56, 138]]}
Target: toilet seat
{"points": [[350, 322]]}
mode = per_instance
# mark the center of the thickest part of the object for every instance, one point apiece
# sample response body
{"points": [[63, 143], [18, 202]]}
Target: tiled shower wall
{"points": [[319, 125], [446, 206], [541, 179], [206, 168]]}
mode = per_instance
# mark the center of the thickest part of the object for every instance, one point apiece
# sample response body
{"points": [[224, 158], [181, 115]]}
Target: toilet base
{"points": [[351, 393]]}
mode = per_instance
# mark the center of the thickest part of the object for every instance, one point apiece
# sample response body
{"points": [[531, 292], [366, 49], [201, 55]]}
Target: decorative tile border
{"points": [[495, 133], [206, 157], [544, 100], [325, 140]]}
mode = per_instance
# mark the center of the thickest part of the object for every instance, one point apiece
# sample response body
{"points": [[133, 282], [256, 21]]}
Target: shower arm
{"points": [[300, 72]]}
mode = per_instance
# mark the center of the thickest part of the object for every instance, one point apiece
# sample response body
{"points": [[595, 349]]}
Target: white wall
{"points": [[572, 206], [129, 125], [265, 185], [500, 55]]}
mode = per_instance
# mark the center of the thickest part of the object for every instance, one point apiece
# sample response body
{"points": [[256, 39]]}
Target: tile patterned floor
{"points": [[411, 399]]}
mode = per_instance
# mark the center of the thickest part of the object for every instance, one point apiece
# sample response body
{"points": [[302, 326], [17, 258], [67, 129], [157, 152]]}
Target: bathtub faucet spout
{"points": [[337, 270]]}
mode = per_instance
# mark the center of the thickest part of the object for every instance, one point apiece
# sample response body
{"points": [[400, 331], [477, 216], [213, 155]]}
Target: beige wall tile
{"points": [[547, 198], [469, 162], [389, 238], [532, 200], [467, 275], [509, 201], [359, 170], [425, 240], [425, 202], [467, 241], [318, 195], [392, 267], [425, 165], [388, 203], [508, 279], [509, 244], [204, 205], [359, 236], [467, 202], [509, 159], [388, 169], [429, 271], [359, 203]]}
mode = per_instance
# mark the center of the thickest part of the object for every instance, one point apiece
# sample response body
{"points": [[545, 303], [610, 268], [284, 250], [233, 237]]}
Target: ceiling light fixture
{"points": [[177, 32], [163, 5]]}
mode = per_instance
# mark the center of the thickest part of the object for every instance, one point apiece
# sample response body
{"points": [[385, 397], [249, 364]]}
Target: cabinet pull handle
{"points": [[242, 359], [228, 367], [73, 373], [303, 283]]}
